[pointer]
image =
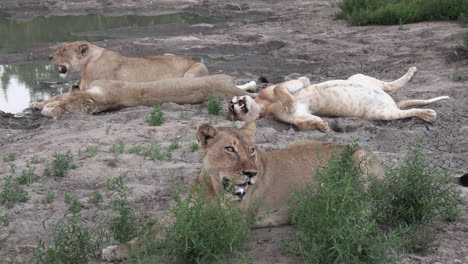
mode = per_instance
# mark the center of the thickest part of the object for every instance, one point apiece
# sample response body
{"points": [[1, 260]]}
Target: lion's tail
{"points": [[369, 163]]}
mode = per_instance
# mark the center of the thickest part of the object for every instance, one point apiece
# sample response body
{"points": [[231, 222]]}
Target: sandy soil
{"points": [[268, 40]]}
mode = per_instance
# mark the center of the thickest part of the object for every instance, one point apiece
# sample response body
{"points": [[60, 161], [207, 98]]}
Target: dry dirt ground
{"points": [[275, 40]]}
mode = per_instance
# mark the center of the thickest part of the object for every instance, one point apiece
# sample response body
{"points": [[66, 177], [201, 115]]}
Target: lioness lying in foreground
{"points": [[300, 103], [263, 180], [110, 95], [96, 63]]}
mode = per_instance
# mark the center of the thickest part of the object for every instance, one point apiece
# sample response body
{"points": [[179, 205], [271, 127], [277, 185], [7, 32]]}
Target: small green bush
{"points": [[108, 129], [215, 105], [137, 149], [156, 117], [334, 218], [202, 232], [96, 197], [416, 192], [12, 193], [194, 146], [9, 157], [91, 150], [35, 159], [49, 198], [28, 175], [125, 225], [73, 203], [60, 165], [457, 77], [118, 147], [72, 242]]}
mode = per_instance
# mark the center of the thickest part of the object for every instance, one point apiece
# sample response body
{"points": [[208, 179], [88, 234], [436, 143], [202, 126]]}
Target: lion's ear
{"points": [[249, 130], [83, 49], [74, 88], [206, 134]]}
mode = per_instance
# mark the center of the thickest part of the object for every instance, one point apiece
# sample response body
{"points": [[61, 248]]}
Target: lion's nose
{"points": [[249, 174], [51, 57]]}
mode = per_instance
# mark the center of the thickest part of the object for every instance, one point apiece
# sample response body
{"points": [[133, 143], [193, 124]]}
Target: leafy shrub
{"points": [[124, 226], [96, 197], [60, 165], [72, 242], [202, 232], [156, 117], [49, 198], [28, 175], [91, 150], [9, 157], [12, 193], [334, 217], [215, 105]]}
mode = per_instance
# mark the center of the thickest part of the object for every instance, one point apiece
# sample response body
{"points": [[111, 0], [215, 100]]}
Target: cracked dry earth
{"points": [[270, 41]]}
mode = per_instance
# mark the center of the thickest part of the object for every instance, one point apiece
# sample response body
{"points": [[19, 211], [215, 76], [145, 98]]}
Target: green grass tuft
{"points": [[28, 175], [12, 193], [49, 198], [156, 117], [9, 157], [194, 146], [215, 105], [394, 12], [118, 147], [60, 165], [96, 197]]}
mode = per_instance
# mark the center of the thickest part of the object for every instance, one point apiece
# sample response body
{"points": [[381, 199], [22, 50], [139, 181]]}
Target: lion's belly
{"points": [[352, 100]]}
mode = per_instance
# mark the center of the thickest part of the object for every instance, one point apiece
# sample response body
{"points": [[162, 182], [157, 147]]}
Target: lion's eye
{"points": [[229, 149]]}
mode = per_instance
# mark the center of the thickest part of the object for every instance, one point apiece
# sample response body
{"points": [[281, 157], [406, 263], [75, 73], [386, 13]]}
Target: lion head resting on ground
{"points": [[96, 63], [258, 179], [110, 95]]}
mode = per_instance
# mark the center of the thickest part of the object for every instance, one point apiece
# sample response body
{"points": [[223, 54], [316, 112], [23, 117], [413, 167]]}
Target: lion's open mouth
{"points": [[238, 190], [242, 105], [62, 69]]}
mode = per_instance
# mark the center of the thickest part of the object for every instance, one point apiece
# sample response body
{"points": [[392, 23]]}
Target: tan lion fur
{"points": [[110, 95], [96, 63], [300, 103], [266, 178]]}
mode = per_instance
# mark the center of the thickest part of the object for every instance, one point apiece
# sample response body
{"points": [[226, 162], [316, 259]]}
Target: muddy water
{"points": [[23, 83], [20, 35]]}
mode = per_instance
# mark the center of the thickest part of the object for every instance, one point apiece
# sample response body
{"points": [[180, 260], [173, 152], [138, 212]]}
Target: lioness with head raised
{"points": [[300, 103], [111, 95], [259, 180], [96, 63]]}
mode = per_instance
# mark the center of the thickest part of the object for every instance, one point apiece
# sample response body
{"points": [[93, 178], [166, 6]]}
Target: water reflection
{"points": [[19, 35], [23, 83]]}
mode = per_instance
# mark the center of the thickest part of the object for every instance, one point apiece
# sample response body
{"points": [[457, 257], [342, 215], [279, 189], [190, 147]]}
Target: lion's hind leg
{"points": [[393, 87], [407, 103], [196, 70], [285, 99], [427, 115]]}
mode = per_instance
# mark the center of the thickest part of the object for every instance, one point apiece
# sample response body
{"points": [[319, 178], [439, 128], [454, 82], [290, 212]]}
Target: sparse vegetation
{"points": [[96, 197], [183, 115], [118, 147], [60, 165], [194, 146], [12, 168], [4, 220], [156, 117], [12, 193], [108, 129], [394, 12], [137, 149], [28, 175], [215, 105], [35, 159], [9, 157], [91, 150], [457, 77], [73, 203], [49, 198], [154, 152], [465, 40], [338, 222]]}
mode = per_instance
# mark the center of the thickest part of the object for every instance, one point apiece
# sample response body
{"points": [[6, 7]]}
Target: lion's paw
{"points": [[428, 115], [412, 71], [113, 253], [322, 126]]}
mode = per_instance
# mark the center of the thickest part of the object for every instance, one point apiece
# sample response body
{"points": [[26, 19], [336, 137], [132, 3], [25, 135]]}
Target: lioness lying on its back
{"points": [[110, 95], [96, 63], [262, 180], [300, 103]]}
